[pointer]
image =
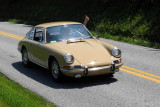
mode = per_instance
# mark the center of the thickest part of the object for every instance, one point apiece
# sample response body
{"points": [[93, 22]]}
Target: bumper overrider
{"points": [[79, 71]]}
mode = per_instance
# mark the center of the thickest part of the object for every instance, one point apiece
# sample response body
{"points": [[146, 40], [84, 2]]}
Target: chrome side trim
{"points": [[39, 64]]}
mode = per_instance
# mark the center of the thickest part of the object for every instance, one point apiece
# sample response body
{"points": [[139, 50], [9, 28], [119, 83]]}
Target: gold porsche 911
{"points": [[68, 48]]}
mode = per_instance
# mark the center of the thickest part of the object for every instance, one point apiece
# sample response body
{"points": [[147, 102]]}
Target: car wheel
{"points": [[25, 59], [55, 71]]}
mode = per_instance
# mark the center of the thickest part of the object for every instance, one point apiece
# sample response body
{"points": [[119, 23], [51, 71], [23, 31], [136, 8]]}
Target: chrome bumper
{"points": [[85, 71]]}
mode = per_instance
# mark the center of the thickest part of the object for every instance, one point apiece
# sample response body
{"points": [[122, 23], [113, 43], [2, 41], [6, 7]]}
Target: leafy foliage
{"points": [[129, 18]]}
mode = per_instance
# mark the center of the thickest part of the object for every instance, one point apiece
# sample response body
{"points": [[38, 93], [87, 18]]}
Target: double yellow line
{"points": [[130, 70], [140, 73], [11, 35]]}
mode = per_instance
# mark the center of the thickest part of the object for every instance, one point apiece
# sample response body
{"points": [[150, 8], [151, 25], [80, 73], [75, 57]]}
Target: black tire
{"points": [[25, 59], [55, 71]]}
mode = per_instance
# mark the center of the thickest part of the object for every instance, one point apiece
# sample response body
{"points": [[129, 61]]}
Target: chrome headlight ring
{"points": [[69, 58], [116, 52]]}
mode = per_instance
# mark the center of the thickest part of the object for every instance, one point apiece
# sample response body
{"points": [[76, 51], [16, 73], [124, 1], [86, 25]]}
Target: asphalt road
{"points": [[138, 87]]}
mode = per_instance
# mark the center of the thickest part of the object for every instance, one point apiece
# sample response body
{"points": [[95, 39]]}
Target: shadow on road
{"points": [[42, 76]]}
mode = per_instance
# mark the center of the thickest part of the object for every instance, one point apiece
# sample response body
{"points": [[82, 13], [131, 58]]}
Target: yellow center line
{"points": [[142, 72], [17, 38], [126, 69], [11, 35], [140, 75], [14, 36]]}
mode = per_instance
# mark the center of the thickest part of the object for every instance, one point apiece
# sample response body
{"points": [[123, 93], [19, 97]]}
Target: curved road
{"points": [[136, 85]]}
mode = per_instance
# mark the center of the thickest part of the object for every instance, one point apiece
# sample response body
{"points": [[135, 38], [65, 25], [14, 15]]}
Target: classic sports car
{"points": [[68, 48]]}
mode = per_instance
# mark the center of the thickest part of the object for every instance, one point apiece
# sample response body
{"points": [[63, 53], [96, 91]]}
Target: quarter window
{"points": [[38, 35], [30, 34]]}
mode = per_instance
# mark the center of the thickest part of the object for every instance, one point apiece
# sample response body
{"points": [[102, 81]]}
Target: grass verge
{"points": [[136, 41], [21, 21], [14, 95]]}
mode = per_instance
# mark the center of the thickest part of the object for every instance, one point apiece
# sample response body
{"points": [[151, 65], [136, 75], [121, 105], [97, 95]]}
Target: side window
{"points": [[30, 34], [38, 35]]}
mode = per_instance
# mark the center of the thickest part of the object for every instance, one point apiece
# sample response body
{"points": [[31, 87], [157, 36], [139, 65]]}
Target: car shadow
{"points": [[42, 76]]}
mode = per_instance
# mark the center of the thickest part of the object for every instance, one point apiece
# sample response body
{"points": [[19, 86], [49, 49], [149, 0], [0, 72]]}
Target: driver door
{"points": [[38, 50]]}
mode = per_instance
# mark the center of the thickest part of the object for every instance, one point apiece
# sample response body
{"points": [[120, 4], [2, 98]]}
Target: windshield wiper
{"points": [[75, 40], [86, 37], [81, 39]]}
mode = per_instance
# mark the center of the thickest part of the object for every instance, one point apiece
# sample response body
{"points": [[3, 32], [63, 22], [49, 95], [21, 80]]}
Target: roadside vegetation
{"points": [[132, 21], [136, 41], [14, 95]]}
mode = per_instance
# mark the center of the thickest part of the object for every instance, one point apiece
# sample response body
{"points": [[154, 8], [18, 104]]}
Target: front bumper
{"points": [[85, 71]]}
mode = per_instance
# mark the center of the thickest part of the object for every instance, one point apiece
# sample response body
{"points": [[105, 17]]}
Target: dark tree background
{"points": [[131, 18]]}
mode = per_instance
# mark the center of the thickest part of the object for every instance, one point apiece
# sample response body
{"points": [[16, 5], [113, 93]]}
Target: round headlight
{"points": [[116, 52], [69, 58]]}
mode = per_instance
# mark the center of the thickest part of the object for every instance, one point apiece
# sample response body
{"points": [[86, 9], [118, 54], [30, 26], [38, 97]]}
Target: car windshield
{"points": [[67, 32]]}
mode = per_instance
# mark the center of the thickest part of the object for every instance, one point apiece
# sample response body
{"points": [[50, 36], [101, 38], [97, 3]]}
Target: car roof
{"points": [[50, 24]]}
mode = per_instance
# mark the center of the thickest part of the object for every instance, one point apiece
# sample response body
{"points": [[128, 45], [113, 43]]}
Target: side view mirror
{"points": [[97, 37]]}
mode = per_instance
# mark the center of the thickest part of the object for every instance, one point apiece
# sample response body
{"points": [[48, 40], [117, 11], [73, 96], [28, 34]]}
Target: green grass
{"points": [[136, 41], [20, 21], [14, 95], [14, 20]]}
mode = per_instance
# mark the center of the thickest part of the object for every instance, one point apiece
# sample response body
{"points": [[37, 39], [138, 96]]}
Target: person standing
{"points": [[86, 19]]}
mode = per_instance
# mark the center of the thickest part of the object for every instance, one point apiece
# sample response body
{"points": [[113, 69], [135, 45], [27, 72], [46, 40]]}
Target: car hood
{"points": [[89, 52]]}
